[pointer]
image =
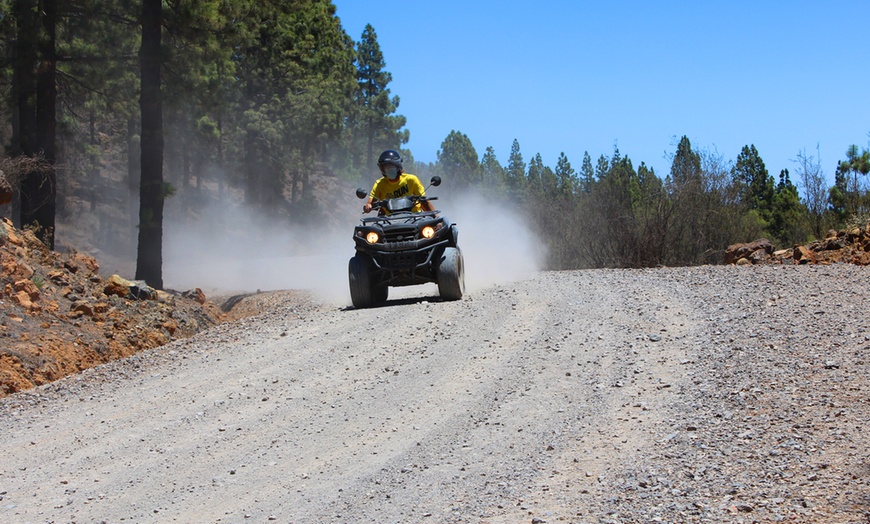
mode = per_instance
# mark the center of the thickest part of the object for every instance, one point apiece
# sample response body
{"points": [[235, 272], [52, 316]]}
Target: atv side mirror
{"points": [[436, 181], [361, 193]]}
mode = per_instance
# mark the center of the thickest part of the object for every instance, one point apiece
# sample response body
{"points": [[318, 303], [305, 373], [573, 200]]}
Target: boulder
{"points": [[142, 291], [755, 252], [83, 307], [833, 243], [124, 288], [22, 299], [89, 263], [117, 286], [12, 235], [195, 294], [163, 297], [759, 255], [804, 255], [58, 277], [28, 287]]}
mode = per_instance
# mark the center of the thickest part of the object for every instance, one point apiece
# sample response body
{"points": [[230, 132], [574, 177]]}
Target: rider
{"points": [[396, 183]]}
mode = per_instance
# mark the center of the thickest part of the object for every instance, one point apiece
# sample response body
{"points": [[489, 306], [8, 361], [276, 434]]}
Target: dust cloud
{"points": [[255, 254], [497, 245], [263, 256]]}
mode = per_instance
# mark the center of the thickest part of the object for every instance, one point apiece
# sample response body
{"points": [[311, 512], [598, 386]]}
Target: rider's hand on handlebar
{"points": [[367, 207]]}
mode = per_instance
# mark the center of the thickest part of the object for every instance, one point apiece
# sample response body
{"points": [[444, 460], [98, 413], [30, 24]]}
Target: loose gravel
{"points": [[707, 394]]}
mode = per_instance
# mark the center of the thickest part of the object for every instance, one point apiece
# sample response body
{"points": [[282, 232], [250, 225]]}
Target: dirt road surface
{"points": [[713, 394]]}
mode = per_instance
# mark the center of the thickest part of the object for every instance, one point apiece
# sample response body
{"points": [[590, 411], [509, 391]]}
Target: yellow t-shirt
{"points": [[406, 184]]}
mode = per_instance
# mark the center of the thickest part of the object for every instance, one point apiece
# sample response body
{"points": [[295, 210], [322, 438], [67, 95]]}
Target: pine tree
{"points": [[491, 170], [587, 174], [380, 127], [857, 163], [787, 223], [98, 85], [650, 184], [615, 196], [458, 160], [516, 169], [549, 181], [755, 183], [34, 81], [199, 38], [295, 62], [602, 167], [837, 196], [687, 215], [567, 177], [533, 176], [685, 168]]}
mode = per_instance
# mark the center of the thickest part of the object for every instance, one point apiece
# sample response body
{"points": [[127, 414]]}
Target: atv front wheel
{"points": [[380, 293], [363, 293], [451, 274]]}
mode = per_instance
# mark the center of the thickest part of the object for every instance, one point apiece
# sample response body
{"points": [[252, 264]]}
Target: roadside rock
{"points": [[848, 246], [755, 252], [803, 255]]}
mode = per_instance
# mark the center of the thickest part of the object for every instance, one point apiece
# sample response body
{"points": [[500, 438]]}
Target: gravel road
{"points": [[709, 394]]}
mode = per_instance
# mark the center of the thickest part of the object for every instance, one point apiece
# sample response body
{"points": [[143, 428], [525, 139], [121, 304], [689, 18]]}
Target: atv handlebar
{"points": [[378, 204]]}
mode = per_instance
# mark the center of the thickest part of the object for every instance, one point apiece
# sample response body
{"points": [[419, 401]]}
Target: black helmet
{"points": [[390, 157]]}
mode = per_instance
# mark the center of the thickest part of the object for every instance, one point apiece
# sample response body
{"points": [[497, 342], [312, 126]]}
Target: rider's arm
{"points": [[418, 189], [368, 205]]}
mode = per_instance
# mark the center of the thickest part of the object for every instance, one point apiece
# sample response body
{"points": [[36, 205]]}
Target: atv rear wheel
{"points": [[363, 292], [451, 274]]}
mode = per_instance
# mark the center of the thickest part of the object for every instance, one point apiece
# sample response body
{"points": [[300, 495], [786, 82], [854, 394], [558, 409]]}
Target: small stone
{"points": [[654, 338]]}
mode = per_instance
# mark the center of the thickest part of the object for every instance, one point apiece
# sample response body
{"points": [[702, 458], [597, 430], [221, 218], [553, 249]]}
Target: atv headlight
{"points": [[428, 232], [372, 237]]}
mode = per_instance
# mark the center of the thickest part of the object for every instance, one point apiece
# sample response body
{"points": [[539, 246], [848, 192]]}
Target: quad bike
{"points": [[402, 248]]}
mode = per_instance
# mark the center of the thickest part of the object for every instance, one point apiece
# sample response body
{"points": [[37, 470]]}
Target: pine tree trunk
{"points": [[37, 95], [24, 141], [149, 261], [39, 189]]}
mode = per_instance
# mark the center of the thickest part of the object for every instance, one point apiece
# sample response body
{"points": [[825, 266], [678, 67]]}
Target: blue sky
{"points": [[579, 76]]}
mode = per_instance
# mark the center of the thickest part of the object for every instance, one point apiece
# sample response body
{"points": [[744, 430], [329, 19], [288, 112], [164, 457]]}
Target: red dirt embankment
{"points": [[58, 316]]}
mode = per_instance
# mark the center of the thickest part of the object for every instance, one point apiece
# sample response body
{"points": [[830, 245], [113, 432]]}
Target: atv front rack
{"points": [[409, 217]]}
